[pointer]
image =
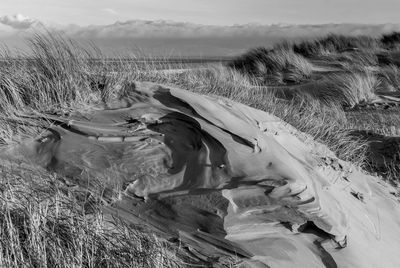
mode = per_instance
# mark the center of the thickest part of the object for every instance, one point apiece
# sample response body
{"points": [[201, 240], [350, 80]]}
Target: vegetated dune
{"points": [[223, 178]]}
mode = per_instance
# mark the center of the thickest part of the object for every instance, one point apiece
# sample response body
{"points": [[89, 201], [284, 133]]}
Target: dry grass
{"points": [[345, 89], [333, 44], [390, 77], [383, 122], [280, 66], [391, 40], [352, 60], [44, 224], [353, 88]]}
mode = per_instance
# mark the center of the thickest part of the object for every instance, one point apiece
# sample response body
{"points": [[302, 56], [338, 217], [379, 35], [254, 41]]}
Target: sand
{"points": [[224, 179]]}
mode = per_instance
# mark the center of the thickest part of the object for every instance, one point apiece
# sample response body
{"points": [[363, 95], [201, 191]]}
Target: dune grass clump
{"points": [[346, 89], [334, 43], [383, 122], [51, 68], [44, 224], [352, 60], [390, 77], [325, 91], [56, 73], [391, 40], [389, 58], [279, 66], [354, 88]]}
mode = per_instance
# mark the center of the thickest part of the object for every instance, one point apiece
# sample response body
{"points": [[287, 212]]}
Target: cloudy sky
{"points": [[220, 12], [188, 27]]}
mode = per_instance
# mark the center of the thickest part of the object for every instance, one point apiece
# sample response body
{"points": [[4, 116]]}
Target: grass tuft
{"points": [[44, 224], [354, 88], [391, 40], [277, 66], [333, 44]]}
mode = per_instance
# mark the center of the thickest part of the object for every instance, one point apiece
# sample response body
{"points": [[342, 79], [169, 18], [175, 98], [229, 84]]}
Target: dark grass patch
{"points": [[273, 66]]}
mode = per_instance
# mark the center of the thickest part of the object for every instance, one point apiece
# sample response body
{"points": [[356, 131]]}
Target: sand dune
{"points": [[225, 179]]}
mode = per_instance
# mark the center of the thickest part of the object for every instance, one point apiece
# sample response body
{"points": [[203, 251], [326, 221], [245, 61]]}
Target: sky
{"points": [[218, 12], [194, 27]]}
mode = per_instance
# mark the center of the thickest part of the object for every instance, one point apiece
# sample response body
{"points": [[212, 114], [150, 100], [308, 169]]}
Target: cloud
{"points": [[17, 21], [110, 11], [162, 36], [184, 30], [179, 30]]}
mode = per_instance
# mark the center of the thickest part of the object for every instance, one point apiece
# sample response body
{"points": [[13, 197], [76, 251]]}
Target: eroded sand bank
{"points": [[225, 179]]}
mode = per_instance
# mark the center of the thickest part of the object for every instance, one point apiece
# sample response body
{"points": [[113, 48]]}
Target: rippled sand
{"points": [[225, 179]]}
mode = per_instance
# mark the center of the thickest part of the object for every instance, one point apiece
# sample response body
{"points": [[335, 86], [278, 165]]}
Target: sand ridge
{"points": [[224, 178]]}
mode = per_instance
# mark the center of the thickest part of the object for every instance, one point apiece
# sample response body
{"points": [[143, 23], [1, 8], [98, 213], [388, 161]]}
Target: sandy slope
{"points": [[225, 179]]}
